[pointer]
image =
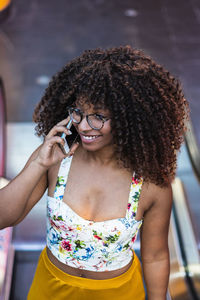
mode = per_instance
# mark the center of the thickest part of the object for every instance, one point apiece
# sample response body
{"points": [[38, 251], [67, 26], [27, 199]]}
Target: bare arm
{"points": [[31, 183], [25, 190], [154, 243]]}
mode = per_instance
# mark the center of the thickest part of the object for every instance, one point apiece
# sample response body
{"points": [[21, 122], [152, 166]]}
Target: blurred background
{"points": [[36, 39]]}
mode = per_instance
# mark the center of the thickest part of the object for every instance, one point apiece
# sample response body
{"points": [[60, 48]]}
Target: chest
{"points": [[97, 193]]}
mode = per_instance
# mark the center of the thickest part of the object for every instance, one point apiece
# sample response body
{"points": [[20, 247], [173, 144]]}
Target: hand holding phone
{"points": [[71, 150], [69, 125]]}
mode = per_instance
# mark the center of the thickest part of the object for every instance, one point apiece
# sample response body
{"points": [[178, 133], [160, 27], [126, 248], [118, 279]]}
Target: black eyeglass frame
{"points": [[102, 118]]}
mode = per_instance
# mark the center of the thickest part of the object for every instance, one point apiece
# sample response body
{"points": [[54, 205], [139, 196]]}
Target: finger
{"points": [[73, 149], [56, 129], [63, 149], [64, 122], [54, 140]]}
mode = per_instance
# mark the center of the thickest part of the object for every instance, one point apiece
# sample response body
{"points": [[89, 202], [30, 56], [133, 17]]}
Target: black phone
{"points": [[63, 136]]}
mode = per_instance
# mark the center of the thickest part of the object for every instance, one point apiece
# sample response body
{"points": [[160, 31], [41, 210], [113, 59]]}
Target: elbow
{"points": [[6, 221], [158, 255], [4, 224]]}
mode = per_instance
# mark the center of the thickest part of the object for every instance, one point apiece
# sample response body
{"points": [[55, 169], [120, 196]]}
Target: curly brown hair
{"points": [[146, 103]]}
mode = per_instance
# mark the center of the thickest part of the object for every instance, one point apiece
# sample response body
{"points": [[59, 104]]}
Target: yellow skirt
{"points": [[53, 284]]}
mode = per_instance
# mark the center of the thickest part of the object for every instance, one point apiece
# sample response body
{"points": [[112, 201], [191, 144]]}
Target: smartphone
{"points": [[63, 135], [68, 126]]}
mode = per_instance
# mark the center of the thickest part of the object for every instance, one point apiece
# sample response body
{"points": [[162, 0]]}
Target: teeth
{"points": [[89, 137]]}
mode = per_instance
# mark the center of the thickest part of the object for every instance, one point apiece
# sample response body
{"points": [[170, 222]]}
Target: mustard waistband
{"points": [[87, 282]]}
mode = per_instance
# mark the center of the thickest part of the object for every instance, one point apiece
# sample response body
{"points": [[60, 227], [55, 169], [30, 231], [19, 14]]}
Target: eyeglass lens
{"points": [[93, 120]]}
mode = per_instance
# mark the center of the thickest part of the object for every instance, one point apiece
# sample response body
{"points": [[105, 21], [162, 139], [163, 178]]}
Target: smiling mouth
{"points": [[89, 138]]}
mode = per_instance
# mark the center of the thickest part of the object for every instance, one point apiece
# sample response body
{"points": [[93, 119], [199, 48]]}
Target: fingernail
{"points": [[69, 132]]}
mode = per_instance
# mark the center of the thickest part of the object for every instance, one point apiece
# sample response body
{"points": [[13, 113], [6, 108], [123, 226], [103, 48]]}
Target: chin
{"points": [[93, 147]]}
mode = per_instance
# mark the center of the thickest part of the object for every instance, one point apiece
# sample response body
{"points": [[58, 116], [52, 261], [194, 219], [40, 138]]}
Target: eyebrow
{"points": [[96, 111]]}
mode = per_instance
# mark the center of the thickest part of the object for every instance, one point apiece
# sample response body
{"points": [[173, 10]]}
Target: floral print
{"points": [[90, 245]]}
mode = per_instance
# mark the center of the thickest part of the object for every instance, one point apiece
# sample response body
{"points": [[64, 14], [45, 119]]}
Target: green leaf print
{"points": [[112, 238], [58, 218], [79, 244], [136, 197], [126, 246], [60, 181]]}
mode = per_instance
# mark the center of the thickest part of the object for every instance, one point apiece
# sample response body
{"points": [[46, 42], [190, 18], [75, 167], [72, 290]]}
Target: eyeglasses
{"points": [[95, 121]]}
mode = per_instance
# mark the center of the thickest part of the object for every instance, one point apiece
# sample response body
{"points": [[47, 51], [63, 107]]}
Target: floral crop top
{"points": [[94, 246]]}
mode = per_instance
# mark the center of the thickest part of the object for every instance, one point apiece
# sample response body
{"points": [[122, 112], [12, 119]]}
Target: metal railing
{"points": [[185, 262], [193, 150]]}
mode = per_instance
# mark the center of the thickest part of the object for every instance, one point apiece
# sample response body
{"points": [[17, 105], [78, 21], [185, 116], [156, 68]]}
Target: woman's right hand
{"points": [[50, 153]]}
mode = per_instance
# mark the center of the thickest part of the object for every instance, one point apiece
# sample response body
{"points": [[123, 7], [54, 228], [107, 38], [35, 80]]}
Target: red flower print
{"points": [[70, 228], [129, 205], [66, 245], [133, 239], [53, 224], [97, 237], [136, 181]]}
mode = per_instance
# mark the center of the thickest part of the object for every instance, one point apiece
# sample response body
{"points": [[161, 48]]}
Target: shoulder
{"points": [[158, 192], [154, 233], [160, 198]]}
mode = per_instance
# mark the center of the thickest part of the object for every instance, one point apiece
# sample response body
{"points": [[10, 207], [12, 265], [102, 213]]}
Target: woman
{"points": [[128, 115]]}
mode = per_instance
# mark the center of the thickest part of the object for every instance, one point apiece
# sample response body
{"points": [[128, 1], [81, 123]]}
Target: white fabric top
{"points": [[90, 245]]}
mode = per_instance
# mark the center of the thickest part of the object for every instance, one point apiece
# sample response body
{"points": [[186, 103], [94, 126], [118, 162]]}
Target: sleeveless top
{"points": [[89, 245]]}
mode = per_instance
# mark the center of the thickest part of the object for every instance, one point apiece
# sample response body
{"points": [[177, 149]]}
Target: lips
{"points": [[89, 138]]}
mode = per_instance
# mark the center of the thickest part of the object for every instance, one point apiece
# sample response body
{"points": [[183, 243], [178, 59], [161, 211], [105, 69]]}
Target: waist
{"points": [[86, 273]]}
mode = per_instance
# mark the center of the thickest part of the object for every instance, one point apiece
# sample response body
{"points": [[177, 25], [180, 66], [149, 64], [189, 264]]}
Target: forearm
{"points": [[14, 197], [156, 275]]}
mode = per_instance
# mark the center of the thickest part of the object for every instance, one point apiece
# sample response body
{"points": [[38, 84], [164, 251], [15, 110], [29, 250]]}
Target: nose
{"points": [[83, 125]]}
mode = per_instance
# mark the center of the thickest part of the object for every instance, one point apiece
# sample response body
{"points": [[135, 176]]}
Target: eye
{"points": [[77, 111], [100, 117]]}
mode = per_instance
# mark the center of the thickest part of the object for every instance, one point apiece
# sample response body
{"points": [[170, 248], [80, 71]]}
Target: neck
{"points": [[103, 156]]}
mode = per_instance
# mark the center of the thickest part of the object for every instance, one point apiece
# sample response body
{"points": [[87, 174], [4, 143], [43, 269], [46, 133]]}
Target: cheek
{"points": [[108, 135], [108, 128], [110, 132]]}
